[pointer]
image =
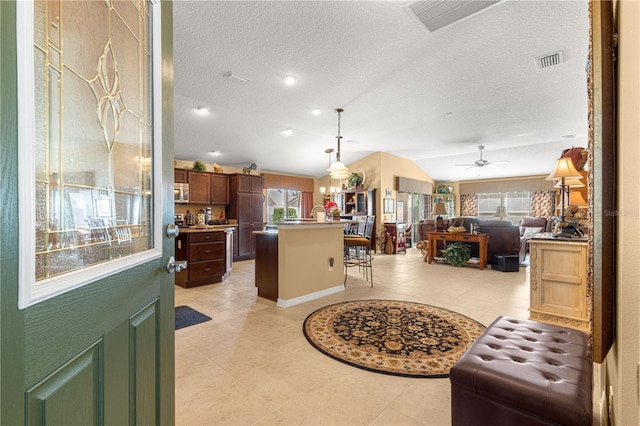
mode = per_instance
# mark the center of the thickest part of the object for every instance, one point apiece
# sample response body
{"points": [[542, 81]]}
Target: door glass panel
{"points": [[92, 136]]}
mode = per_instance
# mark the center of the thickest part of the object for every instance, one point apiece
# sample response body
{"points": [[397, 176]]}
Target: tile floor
{"points": [[251, 365]]}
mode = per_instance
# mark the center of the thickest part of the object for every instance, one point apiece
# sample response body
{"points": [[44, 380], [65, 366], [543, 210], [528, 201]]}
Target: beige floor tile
{"points": [[251, 364]]}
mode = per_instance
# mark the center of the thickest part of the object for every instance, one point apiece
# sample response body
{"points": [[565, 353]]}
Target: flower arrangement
{"points": [[331, 209]]}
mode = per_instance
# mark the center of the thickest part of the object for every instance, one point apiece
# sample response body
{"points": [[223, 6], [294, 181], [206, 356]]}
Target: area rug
{"points": [[186, 316], [392, 337]]}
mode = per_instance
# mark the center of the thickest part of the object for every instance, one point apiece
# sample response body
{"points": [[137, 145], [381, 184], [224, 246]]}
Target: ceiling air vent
{"points": [[235, 78], [436, 14], [550, 60]]}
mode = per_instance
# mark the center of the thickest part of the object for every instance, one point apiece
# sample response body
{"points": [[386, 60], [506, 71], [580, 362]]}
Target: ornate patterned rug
{"points": [[392, 337]]}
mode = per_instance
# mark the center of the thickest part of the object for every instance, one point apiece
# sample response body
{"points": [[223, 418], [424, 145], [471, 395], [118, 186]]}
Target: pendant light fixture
{"points": [[338, 170]]}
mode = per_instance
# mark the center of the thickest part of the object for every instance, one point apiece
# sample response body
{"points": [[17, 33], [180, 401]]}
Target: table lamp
{"points": [[501, 212], [562, 172], [439, 209]]}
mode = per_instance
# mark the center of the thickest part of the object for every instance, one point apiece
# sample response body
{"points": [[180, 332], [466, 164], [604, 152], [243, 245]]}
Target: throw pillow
{"points": [[529, 232]]}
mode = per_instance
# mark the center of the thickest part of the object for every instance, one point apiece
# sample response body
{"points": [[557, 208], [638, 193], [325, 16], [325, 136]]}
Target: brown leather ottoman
{"points": [[522, 372]]}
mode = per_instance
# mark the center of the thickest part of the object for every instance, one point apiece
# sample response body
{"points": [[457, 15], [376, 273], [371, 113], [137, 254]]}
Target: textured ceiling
{"points": [[394, 79]]}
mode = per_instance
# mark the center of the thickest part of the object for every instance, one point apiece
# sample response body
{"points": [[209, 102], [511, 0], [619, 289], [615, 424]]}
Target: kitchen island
{"points": [[208, 251], [300, 261]]}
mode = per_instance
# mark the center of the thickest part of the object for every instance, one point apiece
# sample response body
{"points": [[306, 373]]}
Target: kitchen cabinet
{"points": [[246, 205], [248, 183], [266, 266], [558, 282], [219, 189], [208, 256], [205, 188], [180, 176], [199, 187]]}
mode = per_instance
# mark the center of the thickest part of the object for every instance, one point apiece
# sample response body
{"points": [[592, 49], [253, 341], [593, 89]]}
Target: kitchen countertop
{"points": [[314, 222], [302, 224], [267, 232], [206, 228]]}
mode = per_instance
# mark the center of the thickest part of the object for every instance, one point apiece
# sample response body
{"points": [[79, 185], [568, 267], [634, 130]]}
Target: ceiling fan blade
{"points": [[466, 165], [499, 162]]}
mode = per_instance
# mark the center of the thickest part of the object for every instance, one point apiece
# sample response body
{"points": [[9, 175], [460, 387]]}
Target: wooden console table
{"points": [[481, 239]]}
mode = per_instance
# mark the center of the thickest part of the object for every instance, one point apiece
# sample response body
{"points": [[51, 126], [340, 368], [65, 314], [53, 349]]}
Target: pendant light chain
{"points": [[338, 170], [339, 111]]}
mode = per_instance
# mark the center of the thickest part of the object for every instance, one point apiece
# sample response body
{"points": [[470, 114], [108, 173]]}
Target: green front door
{"points": [[100, 348]]}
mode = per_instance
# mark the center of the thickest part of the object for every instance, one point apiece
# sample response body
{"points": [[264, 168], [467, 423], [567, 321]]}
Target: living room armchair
{"points": [[529, 226]]}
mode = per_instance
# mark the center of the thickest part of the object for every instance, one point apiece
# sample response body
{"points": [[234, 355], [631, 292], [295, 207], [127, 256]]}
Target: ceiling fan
{"points": [[482, 162]]}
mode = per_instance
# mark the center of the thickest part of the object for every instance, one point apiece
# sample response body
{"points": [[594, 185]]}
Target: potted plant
{"points": [[456, 253], [354, 180], [198, 166]]}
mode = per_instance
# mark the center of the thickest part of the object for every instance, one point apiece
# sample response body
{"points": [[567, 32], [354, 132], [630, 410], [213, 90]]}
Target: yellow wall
{"points": [[622, 360], [303, 259]]}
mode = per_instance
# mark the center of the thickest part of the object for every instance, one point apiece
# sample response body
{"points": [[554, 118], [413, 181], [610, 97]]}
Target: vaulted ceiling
{"points": [[432, 97]]}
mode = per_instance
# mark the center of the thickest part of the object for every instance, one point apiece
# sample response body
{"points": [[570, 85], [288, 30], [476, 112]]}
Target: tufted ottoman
{"points": [[522, 372]]}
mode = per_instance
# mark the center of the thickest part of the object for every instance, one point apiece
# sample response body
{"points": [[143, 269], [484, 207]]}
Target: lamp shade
{"points": [[571, 183], [439, 209], [564, 168], [576, 199], [501, 212], [338, 170]]}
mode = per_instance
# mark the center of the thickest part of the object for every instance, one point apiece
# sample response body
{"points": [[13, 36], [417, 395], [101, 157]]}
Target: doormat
{"points": [[392, 337], [186, 316]]}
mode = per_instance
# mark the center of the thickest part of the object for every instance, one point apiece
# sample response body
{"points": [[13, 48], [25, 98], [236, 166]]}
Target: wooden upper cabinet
{"points": [[249, 183], [199, 187], [256, 184], [219, 189], [180, 176]]}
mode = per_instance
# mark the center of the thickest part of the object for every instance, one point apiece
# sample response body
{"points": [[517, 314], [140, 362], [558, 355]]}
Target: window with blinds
{"points": [[516, 204]]}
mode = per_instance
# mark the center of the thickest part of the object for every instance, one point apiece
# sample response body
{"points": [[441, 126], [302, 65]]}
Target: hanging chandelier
{"points": [[338, 170]]}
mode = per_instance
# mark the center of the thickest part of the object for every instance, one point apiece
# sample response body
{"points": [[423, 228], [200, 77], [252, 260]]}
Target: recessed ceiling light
{"points": [[287, 132], [215, 152], [202, 110], [315, 111], [352, 141], [289, 80], [448, 114]]}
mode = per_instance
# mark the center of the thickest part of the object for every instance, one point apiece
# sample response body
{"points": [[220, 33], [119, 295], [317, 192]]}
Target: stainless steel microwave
{"points": [[180, 192]]}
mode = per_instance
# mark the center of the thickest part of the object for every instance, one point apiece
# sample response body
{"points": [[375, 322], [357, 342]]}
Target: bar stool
{"points": [[357, 251]]}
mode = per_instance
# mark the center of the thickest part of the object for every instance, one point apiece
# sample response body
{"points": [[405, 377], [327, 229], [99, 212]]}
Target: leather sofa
{"points": [[504, 236]]}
